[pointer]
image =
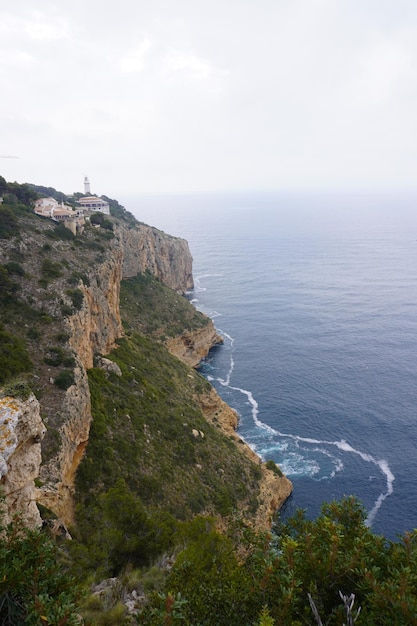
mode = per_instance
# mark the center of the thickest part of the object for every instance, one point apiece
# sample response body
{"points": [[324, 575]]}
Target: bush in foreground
{"points": [[34, 587]]}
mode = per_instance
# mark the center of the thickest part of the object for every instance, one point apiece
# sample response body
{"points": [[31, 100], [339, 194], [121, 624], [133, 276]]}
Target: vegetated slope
{"points": [[44, 269], [152, 462], [148, 428], [59, 305], [150, 442], [151, 308]]}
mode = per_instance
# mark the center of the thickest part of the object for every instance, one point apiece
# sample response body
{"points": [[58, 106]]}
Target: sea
{"points": [[315, 296]]}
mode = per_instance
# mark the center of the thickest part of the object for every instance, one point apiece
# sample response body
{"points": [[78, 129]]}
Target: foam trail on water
{"points": [[344, 446], [311, 465], [226, 381], [390, 479], [197, 281]]}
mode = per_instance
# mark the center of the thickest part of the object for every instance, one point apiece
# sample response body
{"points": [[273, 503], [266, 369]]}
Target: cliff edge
{"points": [[68, 302]]}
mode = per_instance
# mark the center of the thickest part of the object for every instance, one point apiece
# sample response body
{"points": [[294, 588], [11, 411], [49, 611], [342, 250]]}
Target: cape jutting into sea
{"points": [[315, 295]]}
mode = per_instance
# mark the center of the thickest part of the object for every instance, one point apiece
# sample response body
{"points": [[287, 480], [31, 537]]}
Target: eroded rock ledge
{"points": [[274, 489], [193, 345]]}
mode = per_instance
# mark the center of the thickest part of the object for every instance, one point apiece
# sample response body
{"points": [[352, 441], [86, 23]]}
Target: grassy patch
{"points": [[144, 433], [151, 307], [14, 357]]}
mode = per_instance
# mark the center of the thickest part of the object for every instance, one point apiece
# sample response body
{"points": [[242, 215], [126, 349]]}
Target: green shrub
{"points": [[14, 358], [75, 278], [51, 269], [77, 298], [35, 587], [65, 379], [69, 361], [101, 220], [60, 232], [34, 333], [208, 575], [62, 337], [271, 465], [66, 310], [9, 226], [18, 389], [54, 356], [14, 268]]}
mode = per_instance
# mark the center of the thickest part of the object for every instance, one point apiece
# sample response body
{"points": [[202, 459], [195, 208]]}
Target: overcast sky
{"points": [[204, 95]]}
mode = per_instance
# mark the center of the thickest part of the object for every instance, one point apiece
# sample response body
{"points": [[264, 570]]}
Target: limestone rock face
{"points": [[59, 473], [21, 433], [273, 493], [166, 257], [274, 489], [192, 346], [216, 411], [94, 330]]}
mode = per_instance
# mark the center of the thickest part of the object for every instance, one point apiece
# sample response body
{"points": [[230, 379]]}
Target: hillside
{"points": [[153, 510], [66, 302]]}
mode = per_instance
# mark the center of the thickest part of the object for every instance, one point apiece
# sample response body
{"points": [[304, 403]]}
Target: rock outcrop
{"points": [[94, 330], [59, 473], [274, 489], [149, 249], [93, 326], [193, 345], [21, 433]]}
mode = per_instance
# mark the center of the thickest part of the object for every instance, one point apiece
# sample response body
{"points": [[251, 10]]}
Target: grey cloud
{"points": [[204, 95]]}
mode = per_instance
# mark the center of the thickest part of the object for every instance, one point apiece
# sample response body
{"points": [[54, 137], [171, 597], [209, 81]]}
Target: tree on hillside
{"points": [[34, 587], [334, 565], [24, 194]]}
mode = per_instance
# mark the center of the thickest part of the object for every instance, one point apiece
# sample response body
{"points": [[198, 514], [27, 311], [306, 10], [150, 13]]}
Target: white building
{"points": [[95, 204], [49, 207], [45, 206]]}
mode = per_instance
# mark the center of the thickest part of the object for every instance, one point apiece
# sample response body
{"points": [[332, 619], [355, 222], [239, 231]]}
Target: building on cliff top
{"points": [[49, 207], [92, 203]]}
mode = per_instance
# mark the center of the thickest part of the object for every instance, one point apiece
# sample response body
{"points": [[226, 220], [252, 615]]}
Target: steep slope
{"points": [[61, 300]]}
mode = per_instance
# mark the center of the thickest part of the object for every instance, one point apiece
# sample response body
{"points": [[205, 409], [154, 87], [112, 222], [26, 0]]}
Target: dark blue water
{"points": [[316, 298]]}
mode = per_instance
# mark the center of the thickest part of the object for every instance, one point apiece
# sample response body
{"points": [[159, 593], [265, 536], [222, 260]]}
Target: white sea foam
{"points": [[297, 460], [197, 281], [303, 464]]}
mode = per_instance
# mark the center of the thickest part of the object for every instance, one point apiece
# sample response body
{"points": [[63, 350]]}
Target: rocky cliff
{"points": [[94, 330], [274, 488], [191, 346], [21, 433], [71, 327], [166, 257]]}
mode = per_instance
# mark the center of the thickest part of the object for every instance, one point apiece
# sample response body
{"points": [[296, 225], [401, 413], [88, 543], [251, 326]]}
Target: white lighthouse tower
{"points": [[87, 190]]}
